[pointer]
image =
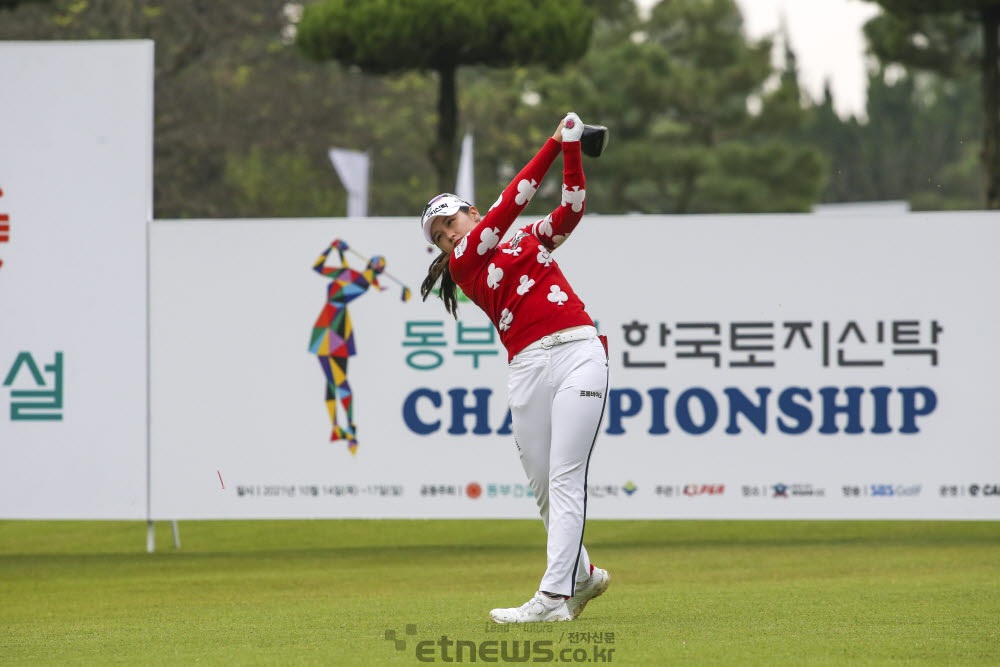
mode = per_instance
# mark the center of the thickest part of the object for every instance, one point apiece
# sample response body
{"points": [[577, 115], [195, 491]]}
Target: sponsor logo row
{"points": [[694, 490]]}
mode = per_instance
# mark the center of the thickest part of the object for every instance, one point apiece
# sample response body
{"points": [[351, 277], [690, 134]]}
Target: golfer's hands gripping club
{"points": [[570, 128]]}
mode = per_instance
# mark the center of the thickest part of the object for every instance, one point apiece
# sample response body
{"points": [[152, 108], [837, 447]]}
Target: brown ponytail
{"points": [[439, 269]]}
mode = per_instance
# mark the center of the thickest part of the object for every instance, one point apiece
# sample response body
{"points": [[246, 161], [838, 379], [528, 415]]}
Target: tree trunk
{"points": [[991, 106], [443, 151], [686, 195]]}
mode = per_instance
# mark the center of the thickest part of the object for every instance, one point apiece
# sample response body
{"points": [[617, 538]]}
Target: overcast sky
{"points": [[826, 37]]}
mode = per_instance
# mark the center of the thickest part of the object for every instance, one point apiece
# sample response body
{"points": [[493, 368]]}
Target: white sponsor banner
{"points": [[76, 179], [761, 367]]}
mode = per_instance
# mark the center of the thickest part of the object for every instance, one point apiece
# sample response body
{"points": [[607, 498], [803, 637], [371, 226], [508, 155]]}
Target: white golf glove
{"points": [[573, 127]]}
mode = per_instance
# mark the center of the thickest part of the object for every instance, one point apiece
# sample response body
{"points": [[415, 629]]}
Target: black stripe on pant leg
{"points": [[586, 470]]}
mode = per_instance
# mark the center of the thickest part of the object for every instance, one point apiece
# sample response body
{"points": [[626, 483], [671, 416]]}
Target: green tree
{"points": [[386, 36], [917, 124], [242, 121], [841, 141], [935, 35], [676, 91], [912, 143], [11, 4]]}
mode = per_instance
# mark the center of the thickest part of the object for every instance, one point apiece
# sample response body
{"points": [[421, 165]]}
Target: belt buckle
{"points": [[549, 341]]}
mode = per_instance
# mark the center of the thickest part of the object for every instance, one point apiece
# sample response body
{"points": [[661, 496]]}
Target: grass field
{"points": [[326, 592]]}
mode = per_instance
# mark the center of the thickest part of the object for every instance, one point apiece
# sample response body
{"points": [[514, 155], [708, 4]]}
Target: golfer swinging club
{"points": [[332, 339], [558, 368]]}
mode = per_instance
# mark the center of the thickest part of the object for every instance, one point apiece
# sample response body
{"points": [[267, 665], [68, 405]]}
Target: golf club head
{"points": [[594, 140]]}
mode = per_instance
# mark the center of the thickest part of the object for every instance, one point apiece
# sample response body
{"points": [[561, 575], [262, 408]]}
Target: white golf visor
{"points": [[443, 204]]}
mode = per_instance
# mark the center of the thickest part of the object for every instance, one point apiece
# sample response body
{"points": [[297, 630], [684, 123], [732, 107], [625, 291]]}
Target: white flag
{"points": [[352, 168], [465, 186]]}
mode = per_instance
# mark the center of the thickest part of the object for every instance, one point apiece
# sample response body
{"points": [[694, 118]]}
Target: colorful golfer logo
{"points": [[333, 334]]}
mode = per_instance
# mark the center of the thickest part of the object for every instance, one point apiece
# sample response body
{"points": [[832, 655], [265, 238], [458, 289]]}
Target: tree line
{"points": [[250, 95]]}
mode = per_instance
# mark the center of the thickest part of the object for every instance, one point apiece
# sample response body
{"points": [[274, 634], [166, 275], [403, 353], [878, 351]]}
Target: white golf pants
{"points": [[557, 398]]}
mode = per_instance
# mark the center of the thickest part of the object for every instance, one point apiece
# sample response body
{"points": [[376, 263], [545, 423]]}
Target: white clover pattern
{"points": [[488, 240], [494, 276], [526, 284], [544, 226], [559, 239], [497, 202], [574, 197], [512, 251], [462, 245], [525, 191], [506, 317], [544, 257], [557, 296]]}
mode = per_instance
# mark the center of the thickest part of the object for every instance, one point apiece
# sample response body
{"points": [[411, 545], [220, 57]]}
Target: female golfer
{"points": [[332, 339], [558, 368]]}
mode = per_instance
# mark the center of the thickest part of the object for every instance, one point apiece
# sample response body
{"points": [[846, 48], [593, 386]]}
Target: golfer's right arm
{"points": [[320, 265]]}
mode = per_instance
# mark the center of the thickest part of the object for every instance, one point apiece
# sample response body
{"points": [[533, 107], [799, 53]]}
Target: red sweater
{"points": [[517, 283]]}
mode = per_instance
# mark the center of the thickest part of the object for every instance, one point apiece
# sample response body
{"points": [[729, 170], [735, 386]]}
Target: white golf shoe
{"points": [[539, 609], [588, 590]]}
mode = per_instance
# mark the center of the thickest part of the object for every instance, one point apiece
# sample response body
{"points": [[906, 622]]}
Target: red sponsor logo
{"points": [[4, 227], [473, 490], [704, 489]]}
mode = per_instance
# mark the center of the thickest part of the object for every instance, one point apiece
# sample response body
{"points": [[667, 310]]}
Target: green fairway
{"points": [[326, 592]]}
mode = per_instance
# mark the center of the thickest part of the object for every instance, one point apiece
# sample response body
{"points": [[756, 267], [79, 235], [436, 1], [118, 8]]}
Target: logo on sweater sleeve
{"points": [[462, 245]]}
